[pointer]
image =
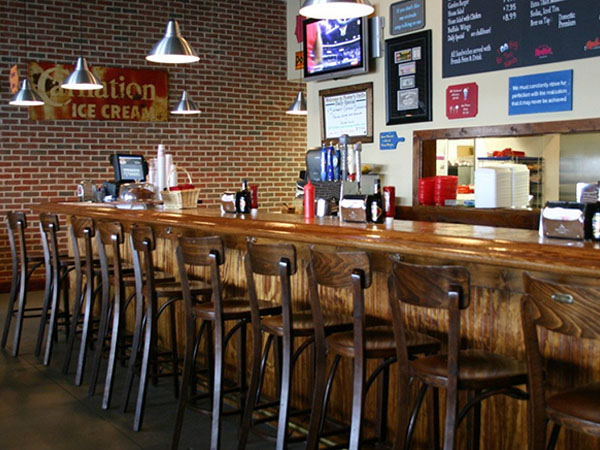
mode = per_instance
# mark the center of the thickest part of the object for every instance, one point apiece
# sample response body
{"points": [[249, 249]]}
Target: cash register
{"points": [[127, 169]]}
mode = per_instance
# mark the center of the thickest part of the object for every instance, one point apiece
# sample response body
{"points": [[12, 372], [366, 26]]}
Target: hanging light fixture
{"points": [[336, 9], [185, 106], [26, 96], [81, 78], [172, 48], [298, 108]]}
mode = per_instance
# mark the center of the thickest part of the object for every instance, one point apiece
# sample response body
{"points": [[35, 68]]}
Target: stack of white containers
{"points": [[520, 185], [502, 186], [493, 187]]}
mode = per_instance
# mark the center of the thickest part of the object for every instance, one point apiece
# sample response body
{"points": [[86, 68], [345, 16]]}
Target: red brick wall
{"points": [[239, 84]]}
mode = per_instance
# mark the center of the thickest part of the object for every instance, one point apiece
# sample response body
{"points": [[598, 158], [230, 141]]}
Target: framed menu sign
{"points": [[347, 110], [408, 78]]}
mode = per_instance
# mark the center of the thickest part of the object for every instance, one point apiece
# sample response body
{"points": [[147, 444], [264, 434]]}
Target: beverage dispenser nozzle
{"points": [[357, 164]]}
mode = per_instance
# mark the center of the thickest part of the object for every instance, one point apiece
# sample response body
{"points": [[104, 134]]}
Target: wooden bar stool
{"points": [[150, 285], [23, 265], [58, 268], [480, 373], [82, 230], [369, 338], [278, 260], [570, 310], [210, 252]]}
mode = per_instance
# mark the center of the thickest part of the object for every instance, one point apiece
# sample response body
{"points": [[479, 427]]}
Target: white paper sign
{"points": [[346, 114]]}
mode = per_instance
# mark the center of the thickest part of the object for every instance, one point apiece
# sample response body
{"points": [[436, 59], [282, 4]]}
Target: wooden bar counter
{"points": [[496, 258]]}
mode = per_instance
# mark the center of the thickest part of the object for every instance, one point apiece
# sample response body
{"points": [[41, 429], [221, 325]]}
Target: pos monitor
{"points": [[129, 168]]}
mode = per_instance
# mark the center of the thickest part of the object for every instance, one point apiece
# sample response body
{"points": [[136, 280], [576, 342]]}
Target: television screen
{"points": [[335, 48]]}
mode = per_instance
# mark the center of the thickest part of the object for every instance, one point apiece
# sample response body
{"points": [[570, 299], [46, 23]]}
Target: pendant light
{"points": [[336, 9], [81, 78], [172, 48], [298, 108], [185, 106], [26, 96]]}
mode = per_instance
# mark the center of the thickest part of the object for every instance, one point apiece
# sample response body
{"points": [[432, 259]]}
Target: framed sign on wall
{"points": [[408, 78], [347, 110]]}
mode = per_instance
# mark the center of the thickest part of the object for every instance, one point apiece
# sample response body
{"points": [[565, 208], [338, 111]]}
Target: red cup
{"points": [[389, 200], [253, 196]]}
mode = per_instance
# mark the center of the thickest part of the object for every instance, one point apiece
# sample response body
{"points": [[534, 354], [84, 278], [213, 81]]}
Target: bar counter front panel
{"points": [[496, 258]]}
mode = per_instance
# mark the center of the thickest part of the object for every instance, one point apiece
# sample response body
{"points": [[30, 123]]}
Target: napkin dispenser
{"points": [[563, 220], [228, 202], [354, 208]]}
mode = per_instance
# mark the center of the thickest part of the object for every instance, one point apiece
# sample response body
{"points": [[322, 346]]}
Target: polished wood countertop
{"points": [[508, 247]]}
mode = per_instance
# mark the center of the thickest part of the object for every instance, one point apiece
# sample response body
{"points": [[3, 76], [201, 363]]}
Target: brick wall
{"points": [[239, 84]]}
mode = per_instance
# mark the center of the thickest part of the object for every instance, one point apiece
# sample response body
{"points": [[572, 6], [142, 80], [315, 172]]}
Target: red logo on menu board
{"points": [[461, 101]]}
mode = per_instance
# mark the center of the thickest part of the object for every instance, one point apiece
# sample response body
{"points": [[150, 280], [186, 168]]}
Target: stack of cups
{"points": [[426, 191], [445, 189]]}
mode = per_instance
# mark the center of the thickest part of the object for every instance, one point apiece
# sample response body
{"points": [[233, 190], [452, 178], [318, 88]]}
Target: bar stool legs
{"points": [[21, 272]]}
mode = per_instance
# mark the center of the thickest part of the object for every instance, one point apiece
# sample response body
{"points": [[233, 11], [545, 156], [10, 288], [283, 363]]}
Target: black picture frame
{"points": [[408, 78]]}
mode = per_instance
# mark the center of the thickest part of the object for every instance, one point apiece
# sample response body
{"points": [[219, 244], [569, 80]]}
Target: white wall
{"points": [[493, 102]]}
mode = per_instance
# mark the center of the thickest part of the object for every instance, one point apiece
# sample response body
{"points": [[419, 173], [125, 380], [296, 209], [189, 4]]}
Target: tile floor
{"points": [[40, 408]]}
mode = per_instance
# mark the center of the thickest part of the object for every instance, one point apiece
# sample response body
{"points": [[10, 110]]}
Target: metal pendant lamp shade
{"points": [[81, 78], [336, 9], [298, 108], [185, 106], [26, 96], [172, 48]]}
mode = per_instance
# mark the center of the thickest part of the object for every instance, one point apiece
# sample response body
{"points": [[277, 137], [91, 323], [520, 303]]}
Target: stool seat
{"points": [[234, 309], [477, 369], [582, 403], [173, 288], [302, 323], [380, 343]]}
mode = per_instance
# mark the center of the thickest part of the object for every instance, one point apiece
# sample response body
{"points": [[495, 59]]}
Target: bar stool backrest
{"points": [[335, 269], [429, 286], [270, 260], [110, 234], [143, 243], [17, 223], [49, 226], [202, 252], [567, 309], [82, 228], [339, 270]]}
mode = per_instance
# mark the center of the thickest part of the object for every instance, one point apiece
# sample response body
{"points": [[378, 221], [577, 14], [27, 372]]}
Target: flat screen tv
{"points": [[335, 48]]}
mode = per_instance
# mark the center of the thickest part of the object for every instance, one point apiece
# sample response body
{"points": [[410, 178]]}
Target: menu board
{"points": [[484, 35]]}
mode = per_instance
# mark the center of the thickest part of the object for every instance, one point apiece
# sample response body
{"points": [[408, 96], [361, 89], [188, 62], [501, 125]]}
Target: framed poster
{"points": [[408, 78], [407, 16], [347, 110]]}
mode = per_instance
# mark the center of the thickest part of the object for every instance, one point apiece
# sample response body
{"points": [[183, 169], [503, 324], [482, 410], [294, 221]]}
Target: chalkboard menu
{"points": [[484, 35]]}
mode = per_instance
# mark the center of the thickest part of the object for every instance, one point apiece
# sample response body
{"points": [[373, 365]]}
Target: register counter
{"points": [[496, 258]]}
